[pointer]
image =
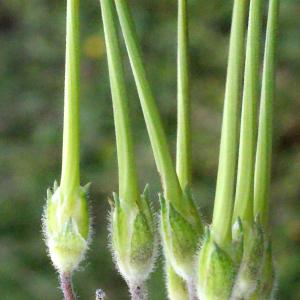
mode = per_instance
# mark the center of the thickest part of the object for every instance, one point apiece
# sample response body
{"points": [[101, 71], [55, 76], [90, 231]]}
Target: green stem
{"points": [[153, 121], [128, 183], [245, 175], [183, 159], [70, 159], [222, 215], [264, 143]]}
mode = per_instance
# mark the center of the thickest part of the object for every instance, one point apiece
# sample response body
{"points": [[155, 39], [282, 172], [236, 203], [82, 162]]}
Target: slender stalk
{"points": [[221, 226], [66, 286], [245, 175], [192, 290], [70, 156], [128, 183], [183, 159], [183, 149], [154, 125], [137, 291], [264, 143]]}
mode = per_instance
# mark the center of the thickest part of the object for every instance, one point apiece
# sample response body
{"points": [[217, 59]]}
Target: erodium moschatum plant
{"points": [[230, 259]]}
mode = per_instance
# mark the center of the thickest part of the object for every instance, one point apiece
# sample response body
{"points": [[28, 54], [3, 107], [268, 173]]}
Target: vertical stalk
{"points": [[244, 191], [153, 121], [70, 155], [66, 286], [264, 143], [183, 148], [192, 289], [183, 159], [221, 226], [128, 183], [138, 291]]}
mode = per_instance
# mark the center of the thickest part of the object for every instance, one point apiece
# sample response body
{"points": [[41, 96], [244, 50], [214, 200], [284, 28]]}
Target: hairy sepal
{"points": [[247, 282], [180, 238], [66, 226], [216, 271], [134, 241]]}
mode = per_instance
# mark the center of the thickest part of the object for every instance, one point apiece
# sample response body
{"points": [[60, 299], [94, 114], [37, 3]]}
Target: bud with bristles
{"points": [[267, 281], [180, 237], [250, 268], [268, 278], [66, 227], [133, 238], [216, 271]]}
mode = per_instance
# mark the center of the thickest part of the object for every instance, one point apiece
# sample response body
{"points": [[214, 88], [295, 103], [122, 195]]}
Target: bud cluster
{"points": [[244, 270]]}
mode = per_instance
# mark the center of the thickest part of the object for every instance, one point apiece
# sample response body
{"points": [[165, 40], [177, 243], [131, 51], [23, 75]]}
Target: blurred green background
{"points": [[32, 38]]}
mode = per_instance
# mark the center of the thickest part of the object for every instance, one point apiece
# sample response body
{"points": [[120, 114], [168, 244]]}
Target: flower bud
{"points": [[268, 276], [216, 271], [250, 267], [267, 280], [180, 239], [67, 227], [133, 238]]}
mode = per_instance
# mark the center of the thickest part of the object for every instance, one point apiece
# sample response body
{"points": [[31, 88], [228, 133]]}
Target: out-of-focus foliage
{"points": [[32, 38]]}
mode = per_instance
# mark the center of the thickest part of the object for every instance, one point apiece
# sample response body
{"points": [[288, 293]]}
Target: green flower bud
{"points": [[267, 281], [216, 271], [268, 276], [177, 287], [250, 267], [67, 227], [180, 239], [133, 238]]}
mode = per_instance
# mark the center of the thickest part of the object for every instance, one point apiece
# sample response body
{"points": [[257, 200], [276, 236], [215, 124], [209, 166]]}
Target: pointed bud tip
{"points": [[67, 228], [133, 240]]}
